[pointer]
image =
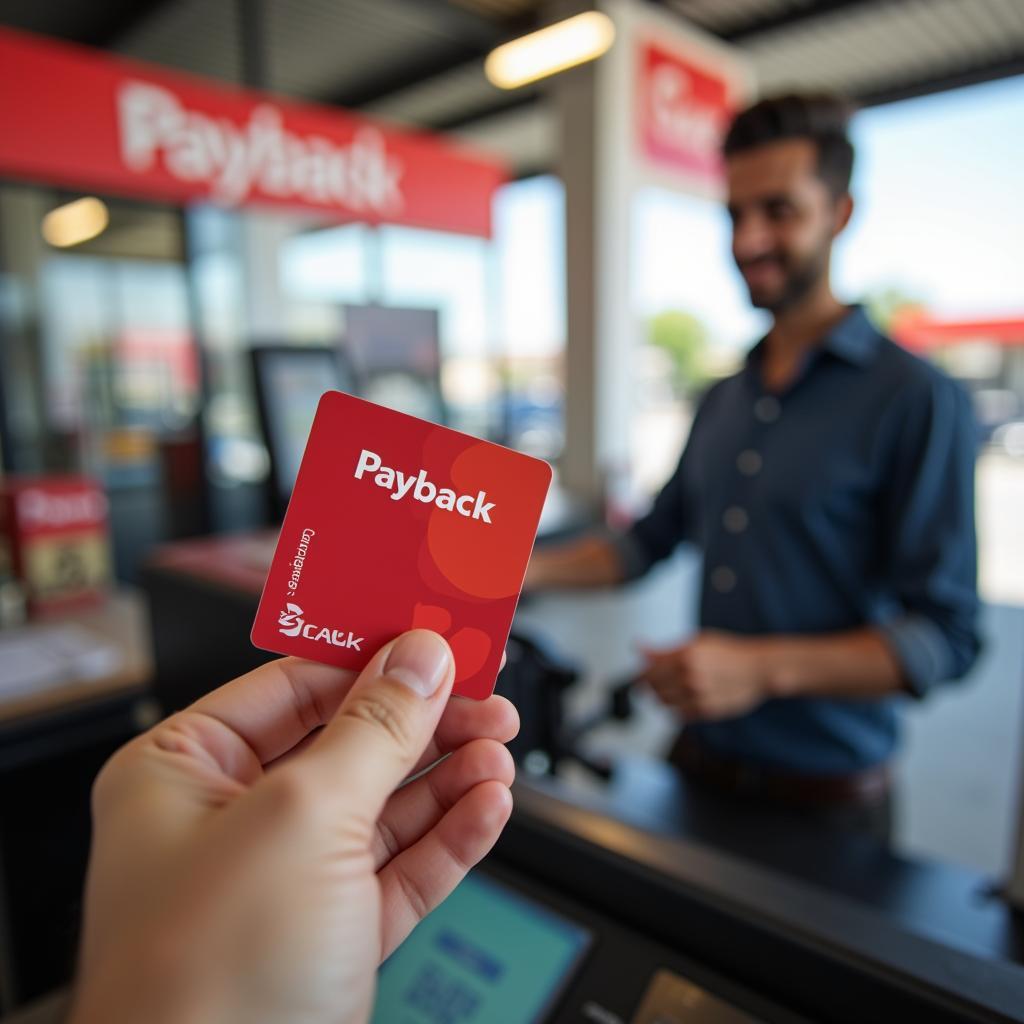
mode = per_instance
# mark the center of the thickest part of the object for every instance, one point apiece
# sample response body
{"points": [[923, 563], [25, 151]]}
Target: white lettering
{"points": [[42, 508], [480, 510], [260, 155], [291, 623], [403, 485], [299, 560], [367, 461], [425, 490], [471, 506], [677, 117]]}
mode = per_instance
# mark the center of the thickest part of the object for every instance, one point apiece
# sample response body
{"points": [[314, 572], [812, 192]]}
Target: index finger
{"points": [[275, 706]]}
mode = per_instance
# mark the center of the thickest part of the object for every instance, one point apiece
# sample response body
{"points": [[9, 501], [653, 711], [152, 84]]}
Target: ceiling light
{"points": [[75, 222], [555, 48]]}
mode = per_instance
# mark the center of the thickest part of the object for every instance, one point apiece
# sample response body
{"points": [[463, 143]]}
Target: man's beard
{"points": [[799, 281]]}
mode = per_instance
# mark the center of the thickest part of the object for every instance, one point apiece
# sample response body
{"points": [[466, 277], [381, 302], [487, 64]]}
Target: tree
{"points": [[890, 302], [685, 338]]}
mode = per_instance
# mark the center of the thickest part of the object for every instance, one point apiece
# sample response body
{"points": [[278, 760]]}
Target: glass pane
{"points": [[529, 236]]}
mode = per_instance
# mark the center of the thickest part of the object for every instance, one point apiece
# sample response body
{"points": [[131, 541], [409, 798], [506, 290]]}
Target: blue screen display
{"points": [[486, 956]]}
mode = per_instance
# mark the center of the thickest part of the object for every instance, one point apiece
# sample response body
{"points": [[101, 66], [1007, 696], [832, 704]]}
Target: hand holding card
{"points": [[396, 523]]}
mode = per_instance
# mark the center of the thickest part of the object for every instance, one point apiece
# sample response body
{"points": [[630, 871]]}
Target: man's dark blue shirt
{"points": [[845, 501]]}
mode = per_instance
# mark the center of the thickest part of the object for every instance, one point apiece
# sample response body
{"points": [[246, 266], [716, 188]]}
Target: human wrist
{"points": [[537, 572], [778, 672], [93, 1004], [148, 988]]}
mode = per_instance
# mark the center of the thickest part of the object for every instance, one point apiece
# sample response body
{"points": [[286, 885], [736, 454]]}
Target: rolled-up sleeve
{"points": [[931, 554]]}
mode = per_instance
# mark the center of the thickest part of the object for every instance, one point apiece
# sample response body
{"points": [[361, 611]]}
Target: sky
{"points": [[939, 216]]}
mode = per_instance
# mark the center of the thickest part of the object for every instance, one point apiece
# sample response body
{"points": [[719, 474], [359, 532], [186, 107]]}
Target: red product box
{"points": [[396, 523], [54, 533]]}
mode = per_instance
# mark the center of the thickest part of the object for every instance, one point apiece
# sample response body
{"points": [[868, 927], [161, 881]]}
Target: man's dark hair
{"points": [[819, 117]]}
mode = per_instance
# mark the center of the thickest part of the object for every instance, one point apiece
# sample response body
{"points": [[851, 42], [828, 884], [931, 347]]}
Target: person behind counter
{"points": [[830, 486]]}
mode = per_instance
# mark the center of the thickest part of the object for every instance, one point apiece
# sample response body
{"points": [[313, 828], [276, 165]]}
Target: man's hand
{"points": [[254, 858], [588, 562], [715, 675]]}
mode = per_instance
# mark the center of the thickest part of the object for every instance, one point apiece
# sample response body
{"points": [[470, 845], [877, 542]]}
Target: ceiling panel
{"points": [[898, 44], [200, 36], [320, 48], [723, 16], [420, 61], [440, 98], [501, 10]]}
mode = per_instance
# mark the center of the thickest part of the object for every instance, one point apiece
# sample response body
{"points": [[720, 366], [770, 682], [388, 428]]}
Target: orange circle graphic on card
{"points": [[485, 560]]}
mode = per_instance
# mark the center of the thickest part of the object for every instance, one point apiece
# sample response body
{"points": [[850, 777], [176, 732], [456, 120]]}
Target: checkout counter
{"points": [[651, 902], [578, 916]]}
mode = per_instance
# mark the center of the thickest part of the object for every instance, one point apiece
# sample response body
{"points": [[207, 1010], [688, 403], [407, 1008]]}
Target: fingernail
{"points": [[420, 660]]}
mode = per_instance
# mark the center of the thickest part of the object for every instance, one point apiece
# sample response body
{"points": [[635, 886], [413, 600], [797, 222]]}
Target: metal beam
{"points": [[744, 32], [252, 39], [518, 100], [473, 37], [109, 22], [463, 24], [453, 57], [943, 82], [90, 24]]}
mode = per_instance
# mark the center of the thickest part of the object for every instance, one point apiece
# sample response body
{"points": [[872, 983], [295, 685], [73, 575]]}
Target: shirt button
{"points": [[735, 519], [767, 409], [749, 462], [723, 579]]}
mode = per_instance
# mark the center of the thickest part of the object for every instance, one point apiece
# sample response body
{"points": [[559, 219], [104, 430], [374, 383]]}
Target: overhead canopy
{"points": [[80, 118], [421, 61]]}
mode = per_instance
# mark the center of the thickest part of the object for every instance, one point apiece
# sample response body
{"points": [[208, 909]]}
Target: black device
{"points": [[289, 380]]}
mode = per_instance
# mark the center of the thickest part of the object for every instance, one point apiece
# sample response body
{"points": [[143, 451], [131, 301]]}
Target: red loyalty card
{"points": [[396, 523]]}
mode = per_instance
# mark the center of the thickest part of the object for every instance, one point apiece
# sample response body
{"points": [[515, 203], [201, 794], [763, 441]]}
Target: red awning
{"points": [[84, 119], [918, 331]]}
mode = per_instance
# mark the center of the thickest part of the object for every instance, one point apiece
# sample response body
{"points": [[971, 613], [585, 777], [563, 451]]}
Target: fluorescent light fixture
{"points": [[77, 222], [546, 52]]}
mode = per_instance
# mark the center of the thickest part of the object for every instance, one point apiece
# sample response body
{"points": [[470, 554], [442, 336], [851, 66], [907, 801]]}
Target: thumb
{"points": [[384, 723]]}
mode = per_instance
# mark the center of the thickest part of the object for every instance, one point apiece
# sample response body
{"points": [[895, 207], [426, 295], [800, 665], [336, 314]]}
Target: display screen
{"points": [[486, 956], [291, 383]]}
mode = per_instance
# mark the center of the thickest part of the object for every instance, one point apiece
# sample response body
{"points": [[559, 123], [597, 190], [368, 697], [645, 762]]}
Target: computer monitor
{"points": [[289, 381], [397, 353]]}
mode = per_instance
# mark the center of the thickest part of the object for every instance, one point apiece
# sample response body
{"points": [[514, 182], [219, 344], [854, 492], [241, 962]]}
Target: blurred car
{"points": [[995, 408], [1009, 438], [534, 424]]}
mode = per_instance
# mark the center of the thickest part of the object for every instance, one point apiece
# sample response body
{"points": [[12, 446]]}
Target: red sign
{"points": [[53, 530], [684, 111], [83, 119]]}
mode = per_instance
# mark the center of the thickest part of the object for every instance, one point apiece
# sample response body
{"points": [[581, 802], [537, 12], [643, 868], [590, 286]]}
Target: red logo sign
{"points": [[75, 117], [685, 109]]}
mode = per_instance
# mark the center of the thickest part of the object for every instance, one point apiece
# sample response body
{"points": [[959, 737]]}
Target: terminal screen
{"points": [[486, 956]]}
